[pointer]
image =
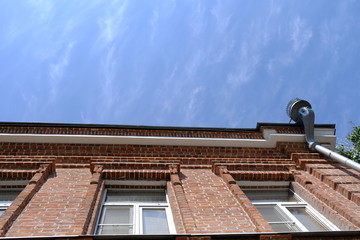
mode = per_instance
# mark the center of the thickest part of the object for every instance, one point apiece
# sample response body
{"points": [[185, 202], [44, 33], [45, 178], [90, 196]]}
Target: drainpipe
{"points": [[300, 111]]}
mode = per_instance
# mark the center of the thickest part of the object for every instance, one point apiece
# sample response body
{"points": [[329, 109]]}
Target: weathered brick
{"points": [[55, 208], [203, 199]]}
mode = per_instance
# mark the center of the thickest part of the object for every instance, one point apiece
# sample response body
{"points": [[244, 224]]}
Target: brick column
{"points": [[60, 207], [214, 207], [11, 214], [186, 218], [260, 223], [329, 202], [90, 199]]}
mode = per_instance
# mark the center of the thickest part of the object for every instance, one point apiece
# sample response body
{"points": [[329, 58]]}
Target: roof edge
{"points": [[258, 127]]}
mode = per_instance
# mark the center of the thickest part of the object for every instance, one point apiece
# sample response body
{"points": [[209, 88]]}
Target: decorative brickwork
{"points": [[261, 224], [213, 206], [60, 207], [329, 197], [39, 176], [47, 149], [66, 182], [91, 220]]}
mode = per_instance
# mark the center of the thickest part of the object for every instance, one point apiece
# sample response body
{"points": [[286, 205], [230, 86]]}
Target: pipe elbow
{"points": [[312, 145]]}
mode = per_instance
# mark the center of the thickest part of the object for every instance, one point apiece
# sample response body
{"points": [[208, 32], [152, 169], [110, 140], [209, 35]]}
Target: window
{"points": [[7, 196], [287, 212], [135, 212]]}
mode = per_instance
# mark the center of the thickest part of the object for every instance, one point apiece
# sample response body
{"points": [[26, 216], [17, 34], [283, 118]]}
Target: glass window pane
{"points": [[117, 215], [1, 211], [284, 227], [136, 196], [154, 221], [270, 195], [8, 196], [116, 229], [306, 219], [271, 213]]}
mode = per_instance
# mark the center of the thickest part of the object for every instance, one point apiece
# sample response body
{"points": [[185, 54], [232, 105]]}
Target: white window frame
{"points": [[137, 212], [282, 207], [4, 206]]}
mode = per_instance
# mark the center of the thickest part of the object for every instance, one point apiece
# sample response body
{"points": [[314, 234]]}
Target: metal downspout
{"points": [[300, 111]]}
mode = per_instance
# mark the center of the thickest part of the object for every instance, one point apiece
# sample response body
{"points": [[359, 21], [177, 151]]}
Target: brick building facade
{"points": [[130, 182]]}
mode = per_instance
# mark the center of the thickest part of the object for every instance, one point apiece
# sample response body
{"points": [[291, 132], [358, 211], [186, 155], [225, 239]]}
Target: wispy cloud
{"points": [[108, 30], [194, 63], [154, 23], [166, 104], [111, 26], [44, 8], [218, 55], [108, 97], [246, 67], [57, 70], [118, 95], [194, 103], [197, 20], [12, 32], [33, 107], [180, 96], [161, 14], [222, 16], [224, 39], [300, 35]]}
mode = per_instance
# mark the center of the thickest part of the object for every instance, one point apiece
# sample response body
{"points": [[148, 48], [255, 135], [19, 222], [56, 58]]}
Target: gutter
{"points": [[143, 127], [271, 138], [301, 112]]}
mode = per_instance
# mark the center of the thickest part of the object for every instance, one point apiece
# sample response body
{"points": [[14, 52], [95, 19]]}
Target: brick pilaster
{"points": [[11, 214], [186, 216], [261, 224], [91, 197]]}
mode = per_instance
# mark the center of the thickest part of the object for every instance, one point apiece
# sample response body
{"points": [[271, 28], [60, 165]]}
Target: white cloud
{"points": [[108, 31], [300, 35], [222, 16], [33, 106], [246, 66], [194, 63], [118, 95], [197, 20], [154, 23], [166, 104], [275, 9], [219, 55], [57, 70], [108, 67], [112, 25], [85, 117], [13, 31], [193, 104], [161, 12], [44, 8]]}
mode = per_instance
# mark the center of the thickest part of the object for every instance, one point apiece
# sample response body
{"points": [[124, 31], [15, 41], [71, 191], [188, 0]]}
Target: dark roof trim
{"points": [[85, 125]]}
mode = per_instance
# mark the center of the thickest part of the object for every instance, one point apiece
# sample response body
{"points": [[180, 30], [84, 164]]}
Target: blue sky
{"points": [[225, 63]]}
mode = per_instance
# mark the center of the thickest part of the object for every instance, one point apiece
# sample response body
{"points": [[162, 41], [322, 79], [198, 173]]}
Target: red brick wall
{"points": [[213, 206], [202, 199], [35, 149], [57, 208]]}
